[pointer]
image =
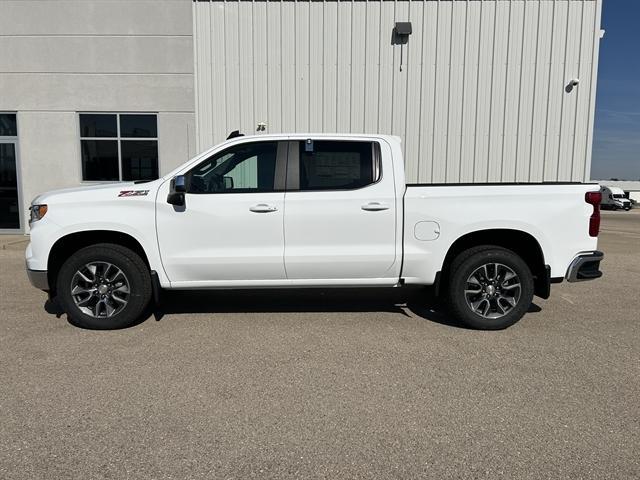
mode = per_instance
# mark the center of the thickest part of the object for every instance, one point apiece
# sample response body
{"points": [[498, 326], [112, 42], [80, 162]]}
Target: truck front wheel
{"points": [[490, 288], [104, 287]]}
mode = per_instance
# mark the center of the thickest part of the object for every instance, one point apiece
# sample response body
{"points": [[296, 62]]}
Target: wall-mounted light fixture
{"points": [[573, 83], [401, 32]]}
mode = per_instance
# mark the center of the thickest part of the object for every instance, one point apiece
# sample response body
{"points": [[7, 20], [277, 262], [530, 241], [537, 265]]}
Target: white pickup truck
{"points": [[306, 210]]}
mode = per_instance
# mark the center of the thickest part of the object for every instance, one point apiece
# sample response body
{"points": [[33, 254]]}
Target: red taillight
{"points": [[594, 198]]}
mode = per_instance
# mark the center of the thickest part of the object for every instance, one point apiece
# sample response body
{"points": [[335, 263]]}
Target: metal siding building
{"points": [[478, 93]]}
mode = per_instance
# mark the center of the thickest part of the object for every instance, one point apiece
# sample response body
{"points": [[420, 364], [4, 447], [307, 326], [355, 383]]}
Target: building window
{"points": [[8, 125], [10, 217], [119, 146]]}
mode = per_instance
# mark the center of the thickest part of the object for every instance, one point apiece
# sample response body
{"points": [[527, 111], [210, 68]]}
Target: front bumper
{"points": [[39, 279], [586, 266]]}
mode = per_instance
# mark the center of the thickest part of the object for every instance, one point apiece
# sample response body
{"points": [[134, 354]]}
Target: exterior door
{"points": [[9, 197], [230, 231], [340, 213]]}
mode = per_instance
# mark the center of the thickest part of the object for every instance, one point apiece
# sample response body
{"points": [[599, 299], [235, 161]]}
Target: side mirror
{"points": [[177, 191], [228, 183], [180, 184]]}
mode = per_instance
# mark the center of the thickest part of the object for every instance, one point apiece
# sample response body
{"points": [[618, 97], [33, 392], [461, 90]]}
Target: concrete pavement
{"points": [[333, 384]]}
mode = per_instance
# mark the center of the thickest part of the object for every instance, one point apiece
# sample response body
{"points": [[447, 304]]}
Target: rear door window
{"points": [[337, 165]]}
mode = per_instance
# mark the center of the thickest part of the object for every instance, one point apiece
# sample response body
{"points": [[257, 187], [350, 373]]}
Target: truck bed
{"points": [[437, 215]]}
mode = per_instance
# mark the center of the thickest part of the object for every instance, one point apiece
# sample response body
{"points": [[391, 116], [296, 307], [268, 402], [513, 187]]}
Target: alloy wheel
{"points": [[492, 290], [100, 289]]}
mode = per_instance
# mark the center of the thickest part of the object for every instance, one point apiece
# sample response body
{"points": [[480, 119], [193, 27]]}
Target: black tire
{"points": [[138, 280], [466, 264]]}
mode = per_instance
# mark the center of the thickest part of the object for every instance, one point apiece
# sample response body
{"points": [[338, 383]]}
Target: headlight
{"points": [[37, 212]]}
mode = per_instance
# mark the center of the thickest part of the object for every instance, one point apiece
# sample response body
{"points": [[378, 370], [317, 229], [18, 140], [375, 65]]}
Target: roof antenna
{"points": [[234, 134]]}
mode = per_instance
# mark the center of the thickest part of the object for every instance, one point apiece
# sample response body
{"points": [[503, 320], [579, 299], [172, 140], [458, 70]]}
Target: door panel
{"points": [[231, 227], [9, 203], [334, 233], [219, 237]]}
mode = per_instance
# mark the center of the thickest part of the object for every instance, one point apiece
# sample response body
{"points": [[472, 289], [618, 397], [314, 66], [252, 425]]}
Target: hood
{"points": [[97, 192]]}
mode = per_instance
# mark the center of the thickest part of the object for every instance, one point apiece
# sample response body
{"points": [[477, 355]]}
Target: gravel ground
{"points": [[332, 384]]}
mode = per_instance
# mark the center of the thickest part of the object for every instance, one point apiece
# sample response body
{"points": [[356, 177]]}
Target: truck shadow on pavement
{"points": [[409, 302]]}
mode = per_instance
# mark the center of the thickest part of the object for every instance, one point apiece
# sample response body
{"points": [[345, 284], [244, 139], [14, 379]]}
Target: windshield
{"points": [[618, 195]]}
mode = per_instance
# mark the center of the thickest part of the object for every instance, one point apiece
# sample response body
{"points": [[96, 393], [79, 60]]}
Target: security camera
{"points": [[572, 84]]}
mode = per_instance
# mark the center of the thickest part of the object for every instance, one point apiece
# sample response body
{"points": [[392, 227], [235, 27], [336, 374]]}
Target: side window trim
{"points": [[293, 167], [376, 157], [280, 176]]}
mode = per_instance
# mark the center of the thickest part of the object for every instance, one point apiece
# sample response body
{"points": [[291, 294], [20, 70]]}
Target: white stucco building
{"points": [[108, 90]]}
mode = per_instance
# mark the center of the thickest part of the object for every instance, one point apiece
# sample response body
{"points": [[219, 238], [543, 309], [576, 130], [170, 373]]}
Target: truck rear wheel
{"points": [[490, 288], [104, 287]]}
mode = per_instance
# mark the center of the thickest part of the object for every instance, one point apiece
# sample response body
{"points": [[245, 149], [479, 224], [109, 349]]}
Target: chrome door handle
{"points": [[375, 206], [263, 208]]}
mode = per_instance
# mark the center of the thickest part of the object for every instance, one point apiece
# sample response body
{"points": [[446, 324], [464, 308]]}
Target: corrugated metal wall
{"points": [[480, 95]]}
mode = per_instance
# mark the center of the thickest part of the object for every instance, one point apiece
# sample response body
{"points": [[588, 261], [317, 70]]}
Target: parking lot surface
{"points": [[327, 384]]}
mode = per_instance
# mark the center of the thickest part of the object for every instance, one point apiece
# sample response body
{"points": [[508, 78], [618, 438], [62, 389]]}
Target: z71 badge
{"points": [[133, 193]]}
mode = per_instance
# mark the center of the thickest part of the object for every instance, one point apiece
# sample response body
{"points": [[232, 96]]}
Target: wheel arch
{"points": [[521, 243], [72, 242]]}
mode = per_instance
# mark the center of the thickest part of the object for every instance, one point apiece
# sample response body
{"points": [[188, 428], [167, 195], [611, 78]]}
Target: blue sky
{"points": [[616, 148]]}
